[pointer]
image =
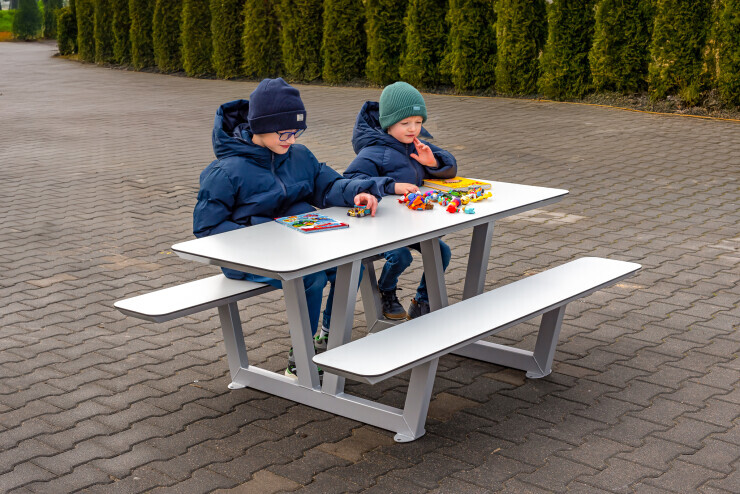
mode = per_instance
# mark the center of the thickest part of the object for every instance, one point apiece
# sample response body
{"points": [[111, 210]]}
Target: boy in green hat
{"points": [[386, 140]]}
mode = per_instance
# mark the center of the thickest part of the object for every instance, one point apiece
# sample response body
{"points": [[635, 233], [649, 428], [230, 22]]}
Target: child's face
{"points": [[273, 142], [406, 130]]}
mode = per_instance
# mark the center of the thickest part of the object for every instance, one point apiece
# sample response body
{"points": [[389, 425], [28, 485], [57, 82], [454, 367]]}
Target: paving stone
{"points": [[683, 476], [556, 474], [620, 476]]}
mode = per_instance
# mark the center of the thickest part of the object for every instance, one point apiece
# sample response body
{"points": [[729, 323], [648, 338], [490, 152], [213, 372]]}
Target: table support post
{"points": [[370, 295], [480, 250], [343, 311], [300, 332], [431, 255], [547, 340], [418, 395], [236, 351]]}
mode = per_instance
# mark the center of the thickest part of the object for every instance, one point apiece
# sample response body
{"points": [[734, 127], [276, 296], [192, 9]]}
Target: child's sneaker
{"points": [[418, 308], [291, 372], [392, 308], [321, 340]]}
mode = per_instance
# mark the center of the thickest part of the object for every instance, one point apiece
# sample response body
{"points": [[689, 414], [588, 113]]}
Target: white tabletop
{"points": [[274, 250]]}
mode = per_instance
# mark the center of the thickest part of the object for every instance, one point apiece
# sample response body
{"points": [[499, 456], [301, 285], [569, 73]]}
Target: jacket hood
{"points": [[368, 132], [232, 135]]}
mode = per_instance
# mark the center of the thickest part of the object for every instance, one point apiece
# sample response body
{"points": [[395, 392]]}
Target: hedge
{"points": [[51, 8], [226, 29], [728, 43], [565, 69], [28, 20], [197, 44], [620, 53], [66, 31], [343, 45], [103, 31], [300, 35], [426, 35], [141, 13], [470, 58], [261, 39], [679, 38], [121, 32], [166, 35], [85, 30], [521, 29], [385, 36]]}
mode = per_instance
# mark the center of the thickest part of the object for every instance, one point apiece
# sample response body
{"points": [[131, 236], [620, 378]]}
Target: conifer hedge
{"points": [[196, 37], [343, 47], [261, 39], [620, 53], [51, 8], [226, 30], [521, 29], [166, 35], [141, 13], [301, 33], [470, 58], [66, 31], [565, 68], [121, 32], [385, 37], [85, 30], [103, 31], [27, 21], [679, 39], [728, 44], [426, 35]]}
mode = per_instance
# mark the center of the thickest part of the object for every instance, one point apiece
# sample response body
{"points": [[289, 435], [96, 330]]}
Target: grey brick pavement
{"points": [[98, 176]]}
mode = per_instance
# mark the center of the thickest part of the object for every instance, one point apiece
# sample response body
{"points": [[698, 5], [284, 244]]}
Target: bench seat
{"points": [[190, 298], [407, 345]]}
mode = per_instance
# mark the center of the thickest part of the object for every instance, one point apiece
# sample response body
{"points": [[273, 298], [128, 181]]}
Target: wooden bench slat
{"points": [[189, 298], [381, 355]]}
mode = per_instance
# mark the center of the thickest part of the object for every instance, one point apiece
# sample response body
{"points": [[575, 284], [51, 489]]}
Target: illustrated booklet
{"points": [[460, 184], [311, 223]]}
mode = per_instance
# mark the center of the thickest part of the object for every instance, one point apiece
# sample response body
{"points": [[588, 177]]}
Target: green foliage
{"points": [[103, 31], [50, 18], [141, 14], [344, 44], [470, 59], [565, 68], [620, 53], [166, 35], [27, 21], [196, 37], [300, 34], [261, 39], [66, 31], [385, 36], [679, 39], [521, 28], [6, 20], [426, 35], [226, 28], [121, 32], [85, 30], [728, 51]]}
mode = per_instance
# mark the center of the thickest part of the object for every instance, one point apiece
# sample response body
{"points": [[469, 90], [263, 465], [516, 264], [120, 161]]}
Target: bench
{"points": [[418, 344]]}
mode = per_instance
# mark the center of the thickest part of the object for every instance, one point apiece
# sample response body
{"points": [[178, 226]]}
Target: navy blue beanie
{"points": [[274, 106]]}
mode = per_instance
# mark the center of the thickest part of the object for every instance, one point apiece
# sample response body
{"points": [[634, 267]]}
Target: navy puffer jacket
{"points": [[381, 155], [249, 184]]}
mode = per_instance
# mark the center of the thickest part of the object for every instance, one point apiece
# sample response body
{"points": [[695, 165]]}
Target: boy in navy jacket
{"points": [[386, 140], [261, 174]]}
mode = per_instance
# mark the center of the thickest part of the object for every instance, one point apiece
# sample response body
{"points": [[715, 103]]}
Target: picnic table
{"points": [[276, 251]]}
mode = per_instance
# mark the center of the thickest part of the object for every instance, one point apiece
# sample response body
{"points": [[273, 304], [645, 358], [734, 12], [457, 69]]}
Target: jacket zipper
{"points": [[277, 179], [416, 172]]}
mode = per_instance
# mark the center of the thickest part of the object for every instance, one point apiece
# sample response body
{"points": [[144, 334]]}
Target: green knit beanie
{"points": [[398, 101]]}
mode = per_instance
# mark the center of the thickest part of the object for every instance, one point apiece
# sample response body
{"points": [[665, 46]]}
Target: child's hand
{"points": [[402, 189], [425, 156], [368, 200]]}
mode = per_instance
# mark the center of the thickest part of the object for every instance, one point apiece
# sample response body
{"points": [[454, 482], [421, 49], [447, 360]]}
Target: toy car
{"points": [[359, 211]]}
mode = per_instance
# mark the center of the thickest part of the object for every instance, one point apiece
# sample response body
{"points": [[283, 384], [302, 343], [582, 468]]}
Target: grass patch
{"points": [[6, 20]]}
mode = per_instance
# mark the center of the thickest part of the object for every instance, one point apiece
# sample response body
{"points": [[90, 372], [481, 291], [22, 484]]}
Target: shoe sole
{"points": [[394, 317]]}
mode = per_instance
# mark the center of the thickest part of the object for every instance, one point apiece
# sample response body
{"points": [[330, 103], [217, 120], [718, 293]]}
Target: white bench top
{"points": [[381, 355], [189, 298]]}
